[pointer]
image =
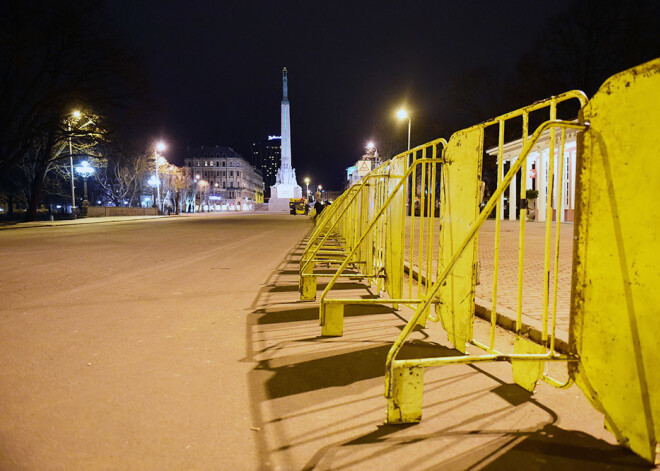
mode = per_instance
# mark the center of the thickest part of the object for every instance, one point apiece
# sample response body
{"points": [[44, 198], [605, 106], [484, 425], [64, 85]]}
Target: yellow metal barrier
{"points": [[451, 286], [413, 227], [454, 286], [407, 186], [337, 232], [615, 298]]}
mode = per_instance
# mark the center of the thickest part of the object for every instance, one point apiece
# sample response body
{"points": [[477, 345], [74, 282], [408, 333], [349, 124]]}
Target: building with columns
{"points": [[232, 182], [536, 174]]}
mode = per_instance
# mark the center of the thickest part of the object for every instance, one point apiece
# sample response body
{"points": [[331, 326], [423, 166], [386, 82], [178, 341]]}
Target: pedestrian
{"points": [[318, 207]]}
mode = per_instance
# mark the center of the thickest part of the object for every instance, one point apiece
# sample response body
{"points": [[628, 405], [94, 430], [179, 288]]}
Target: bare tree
{"points": [[54, 56], [123, 176]]}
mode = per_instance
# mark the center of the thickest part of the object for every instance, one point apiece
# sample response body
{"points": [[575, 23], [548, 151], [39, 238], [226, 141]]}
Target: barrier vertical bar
{"points": [[548, 223], [496, 262]]}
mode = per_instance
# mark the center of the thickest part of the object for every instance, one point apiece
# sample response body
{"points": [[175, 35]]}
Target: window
{"points": [[224, 184], [238, 174], [224, 173], [231, 173]]}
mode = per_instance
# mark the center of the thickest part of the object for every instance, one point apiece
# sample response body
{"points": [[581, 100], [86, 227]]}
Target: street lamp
{"points": [[160, 147], [75, 114], [153, 182], [307, 183], [373, 150], [402, 114], [85, 170]]}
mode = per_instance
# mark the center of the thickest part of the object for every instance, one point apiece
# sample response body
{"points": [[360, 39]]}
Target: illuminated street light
{"points": [[403, 114], [371, 148], [85, 170], [160, 147], [307, 183], [75, 114]]}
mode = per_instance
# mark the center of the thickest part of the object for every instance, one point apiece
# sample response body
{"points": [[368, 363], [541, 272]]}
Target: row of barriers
{"points": [[411, 228]]}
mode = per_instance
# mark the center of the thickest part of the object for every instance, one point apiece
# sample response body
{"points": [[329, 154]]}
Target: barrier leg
{"points": [[308, 287], [333, 320], [527, 373], [405, 405], [422, 319]]}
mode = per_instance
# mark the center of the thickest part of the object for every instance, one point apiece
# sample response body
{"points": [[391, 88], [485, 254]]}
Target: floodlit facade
{"points": [[536, 174], [223, 179]]}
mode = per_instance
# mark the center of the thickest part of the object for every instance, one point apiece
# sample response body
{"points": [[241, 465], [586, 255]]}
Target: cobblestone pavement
{"points": [[533, 275]]}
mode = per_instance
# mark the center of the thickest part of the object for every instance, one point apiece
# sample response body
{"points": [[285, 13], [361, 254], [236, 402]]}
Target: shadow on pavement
{"points": [[303, 377], [320, 286], [311, 312]]}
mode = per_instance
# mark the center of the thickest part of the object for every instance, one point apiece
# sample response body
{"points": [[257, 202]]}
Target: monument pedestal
{"points": [[280, 194]]}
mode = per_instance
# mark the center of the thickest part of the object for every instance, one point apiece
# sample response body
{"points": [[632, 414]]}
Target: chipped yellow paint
{"points": [[405, 405], [461, 189], [616, 297]]}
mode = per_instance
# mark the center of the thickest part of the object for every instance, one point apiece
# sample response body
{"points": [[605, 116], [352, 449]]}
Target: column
{"points": [[512, 194]]}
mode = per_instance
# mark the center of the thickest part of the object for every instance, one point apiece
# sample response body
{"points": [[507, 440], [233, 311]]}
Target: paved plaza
{"points": [[181, 343]]}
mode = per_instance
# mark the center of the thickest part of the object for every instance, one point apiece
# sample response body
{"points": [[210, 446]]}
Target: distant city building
{"points": [[267, 158], [231, 179], [370, 160]]}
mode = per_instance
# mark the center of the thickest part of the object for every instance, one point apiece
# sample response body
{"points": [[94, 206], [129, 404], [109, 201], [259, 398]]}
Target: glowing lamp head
{"points": [[76, 114], [85, 169], [160, 147], [307, 180], [402, 114], [370, 145]]}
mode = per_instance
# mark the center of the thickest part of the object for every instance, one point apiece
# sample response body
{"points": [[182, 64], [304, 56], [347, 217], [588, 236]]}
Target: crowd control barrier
{"points": [[412, 228]]}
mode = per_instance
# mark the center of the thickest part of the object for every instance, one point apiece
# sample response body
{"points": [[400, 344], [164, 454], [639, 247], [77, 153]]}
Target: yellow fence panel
{"points": [[395, 235], [616, 278], [461, 188]]}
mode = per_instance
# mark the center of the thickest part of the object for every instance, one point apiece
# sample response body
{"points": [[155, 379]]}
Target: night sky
{"points": [[215, 70]]}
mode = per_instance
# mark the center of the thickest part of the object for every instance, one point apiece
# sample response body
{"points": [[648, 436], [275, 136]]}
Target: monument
{"points": [[286, 186]]}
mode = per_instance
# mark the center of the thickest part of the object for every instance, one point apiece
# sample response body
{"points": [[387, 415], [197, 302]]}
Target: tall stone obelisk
{"points": [[286, 186]]}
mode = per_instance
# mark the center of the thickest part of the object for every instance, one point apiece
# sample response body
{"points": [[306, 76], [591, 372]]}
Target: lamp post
{"points": [[195, 189], [307, 183], [153, 182], [75, 114], [85, 170], [402, 114], [159, 147]]}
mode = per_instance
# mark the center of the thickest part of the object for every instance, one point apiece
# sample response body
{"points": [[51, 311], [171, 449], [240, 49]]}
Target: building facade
{"points": [[536, 173], [267, 158], [223, 179]]}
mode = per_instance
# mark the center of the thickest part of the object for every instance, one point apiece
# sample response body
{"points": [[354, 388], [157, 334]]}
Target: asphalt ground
{"points": [[181, 343]]}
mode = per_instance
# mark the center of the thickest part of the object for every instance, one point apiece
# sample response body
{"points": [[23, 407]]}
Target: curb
{"points": [[67, 223], [506, 322]]}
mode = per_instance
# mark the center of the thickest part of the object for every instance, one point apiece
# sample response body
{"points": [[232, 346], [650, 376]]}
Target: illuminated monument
{"points": [[286, 186]]}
